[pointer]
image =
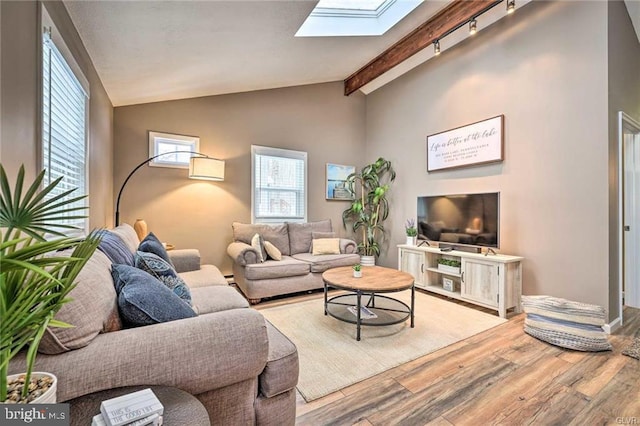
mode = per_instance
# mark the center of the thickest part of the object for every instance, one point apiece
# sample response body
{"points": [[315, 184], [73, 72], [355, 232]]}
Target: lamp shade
{"points": [[206, 168]]}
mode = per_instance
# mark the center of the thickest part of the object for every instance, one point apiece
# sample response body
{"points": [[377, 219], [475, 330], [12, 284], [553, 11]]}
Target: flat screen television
{"points": [[468, 220]]}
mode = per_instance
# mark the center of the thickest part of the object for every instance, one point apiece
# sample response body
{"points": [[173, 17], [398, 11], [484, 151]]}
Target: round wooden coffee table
{"points": [[378, 310]]}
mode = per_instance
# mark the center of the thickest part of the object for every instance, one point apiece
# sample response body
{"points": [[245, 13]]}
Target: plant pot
{"points": [[357, 274], [411, 241], [368, 260], [49, 396], [449, 269]]}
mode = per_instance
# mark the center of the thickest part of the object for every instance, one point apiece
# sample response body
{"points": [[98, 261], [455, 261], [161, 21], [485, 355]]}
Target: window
{"points": [[347, 18], [64, 128], [160, 143], [279, 185]]}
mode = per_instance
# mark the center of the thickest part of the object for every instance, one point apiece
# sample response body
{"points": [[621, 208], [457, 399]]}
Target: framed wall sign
{"points": [[336, 182], [470, 145]]}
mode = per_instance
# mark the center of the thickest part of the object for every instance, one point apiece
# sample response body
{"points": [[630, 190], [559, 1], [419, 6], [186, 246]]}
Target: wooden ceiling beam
{"points": [[454, 15]]}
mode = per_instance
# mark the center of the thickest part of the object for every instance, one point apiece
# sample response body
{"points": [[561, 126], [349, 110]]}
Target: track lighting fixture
{"points": [[436, 47], [473, 26], [511, 6]]}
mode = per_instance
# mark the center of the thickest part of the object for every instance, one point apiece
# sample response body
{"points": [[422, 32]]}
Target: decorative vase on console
{"points": [[412, 232], [141, 229]]}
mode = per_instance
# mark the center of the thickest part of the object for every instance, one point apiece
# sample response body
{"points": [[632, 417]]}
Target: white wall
{"points": [[545, 69]]}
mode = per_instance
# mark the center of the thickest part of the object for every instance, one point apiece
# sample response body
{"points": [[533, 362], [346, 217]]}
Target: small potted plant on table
{"points": [[357, 273]]}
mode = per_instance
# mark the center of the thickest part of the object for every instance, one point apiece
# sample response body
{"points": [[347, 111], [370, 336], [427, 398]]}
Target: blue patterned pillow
{"points": [[115, 249], [143, 300], [151, 244], [164, 272]]}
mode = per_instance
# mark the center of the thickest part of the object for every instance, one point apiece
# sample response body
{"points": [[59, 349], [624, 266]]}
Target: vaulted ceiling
{"points": [[148, 51]]}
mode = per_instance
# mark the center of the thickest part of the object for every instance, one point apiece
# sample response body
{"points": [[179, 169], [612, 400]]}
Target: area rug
{"points": [[633, 350], [331, 358]]}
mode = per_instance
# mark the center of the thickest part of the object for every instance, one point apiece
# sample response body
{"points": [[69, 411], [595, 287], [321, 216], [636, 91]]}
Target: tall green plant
{"points": [[370, 206], [34, 281]]}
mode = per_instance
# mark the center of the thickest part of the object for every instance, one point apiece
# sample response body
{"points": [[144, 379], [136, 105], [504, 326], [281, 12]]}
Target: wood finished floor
{"points": [[502, 376]]}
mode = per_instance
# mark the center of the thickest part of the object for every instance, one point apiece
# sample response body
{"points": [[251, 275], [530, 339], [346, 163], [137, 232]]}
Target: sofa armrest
{"points": [[194, 354], [185, 260], [242, 254], [348, 246]]}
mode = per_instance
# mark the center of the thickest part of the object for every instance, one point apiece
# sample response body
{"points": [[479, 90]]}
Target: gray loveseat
{"points": [[240, 367], [299, 270]]}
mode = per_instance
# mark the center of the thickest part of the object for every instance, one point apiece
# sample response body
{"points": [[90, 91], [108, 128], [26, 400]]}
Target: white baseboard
{"points": [[612, 326]]}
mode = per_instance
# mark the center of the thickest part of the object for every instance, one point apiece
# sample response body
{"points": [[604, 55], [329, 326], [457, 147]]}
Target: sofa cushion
{"points": [[258, 244], [128, 235], [287, 267], [278, 235], [272, 251], [115, 248], [216, 299], [93, 309], [151, 244], [300, 234], [325, 246], [164, 272], [143, 300], [281, 372], [327, 261], [207, 275], [316, 235], [564, 323]]}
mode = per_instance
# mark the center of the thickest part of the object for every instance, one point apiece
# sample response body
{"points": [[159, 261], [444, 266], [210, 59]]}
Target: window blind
{"points": [[64, 114], [279, 185]]}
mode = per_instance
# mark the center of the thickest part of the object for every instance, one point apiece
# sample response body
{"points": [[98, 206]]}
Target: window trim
{"points": [[192, 141], [284, 153]]}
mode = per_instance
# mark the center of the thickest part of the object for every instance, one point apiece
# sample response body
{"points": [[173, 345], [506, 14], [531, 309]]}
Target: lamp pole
{"points": [[142, 164]]}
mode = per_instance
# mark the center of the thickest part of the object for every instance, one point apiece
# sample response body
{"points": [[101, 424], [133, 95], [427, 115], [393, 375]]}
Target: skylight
{"points": [[355, 17]]}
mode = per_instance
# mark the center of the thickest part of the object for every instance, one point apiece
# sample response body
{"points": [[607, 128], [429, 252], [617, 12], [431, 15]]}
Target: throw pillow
{"points": [[258, 244], [564, 323], [272, 251], [325, 246], [160, 269], [143, 300], [115, 249], [151, 244]]}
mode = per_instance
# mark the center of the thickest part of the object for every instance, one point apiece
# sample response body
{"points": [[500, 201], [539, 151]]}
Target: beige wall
{"points": [[545, 69], [20, 113], [624, 95], [198, 214]]}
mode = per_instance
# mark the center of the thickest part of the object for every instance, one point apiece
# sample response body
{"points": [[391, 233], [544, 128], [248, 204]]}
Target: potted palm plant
{"points": [[370, 206], [35, 281]]}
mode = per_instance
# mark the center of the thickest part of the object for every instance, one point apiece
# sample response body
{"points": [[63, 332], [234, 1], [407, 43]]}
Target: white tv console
{"points": [[493, 281]]}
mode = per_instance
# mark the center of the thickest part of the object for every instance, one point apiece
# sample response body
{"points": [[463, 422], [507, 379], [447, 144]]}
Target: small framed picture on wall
{"points": [[336, 188]]}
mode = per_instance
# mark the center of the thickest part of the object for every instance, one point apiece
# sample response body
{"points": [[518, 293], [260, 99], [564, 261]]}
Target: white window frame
{"points": [[284, 153], [190, 143], [52, 37]]}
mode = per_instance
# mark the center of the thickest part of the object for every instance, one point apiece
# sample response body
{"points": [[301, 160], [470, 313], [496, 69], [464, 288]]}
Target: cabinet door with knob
{"points": [[480, 281], [413, 262]]}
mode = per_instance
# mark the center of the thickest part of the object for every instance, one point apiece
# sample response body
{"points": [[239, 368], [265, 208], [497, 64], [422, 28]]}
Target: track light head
{"points": [[511, 6], [436, 47], [473, 26]]}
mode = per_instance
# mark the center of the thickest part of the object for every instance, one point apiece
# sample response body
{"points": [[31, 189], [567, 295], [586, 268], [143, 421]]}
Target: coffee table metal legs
{"points": [[413, 304], [359, 319], [325, 298]]}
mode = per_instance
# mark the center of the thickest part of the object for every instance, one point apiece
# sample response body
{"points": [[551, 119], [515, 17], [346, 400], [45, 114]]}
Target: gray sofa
{"points": [[299, 270], [240, 367]]}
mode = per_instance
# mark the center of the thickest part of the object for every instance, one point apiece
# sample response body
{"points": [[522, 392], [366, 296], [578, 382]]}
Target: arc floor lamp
{"points": [[201, 167]]}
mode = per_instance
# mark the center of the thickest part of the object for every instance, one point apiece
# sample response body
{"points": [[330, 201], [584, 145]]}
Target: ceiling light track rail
{"points": [[455, 15]]}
